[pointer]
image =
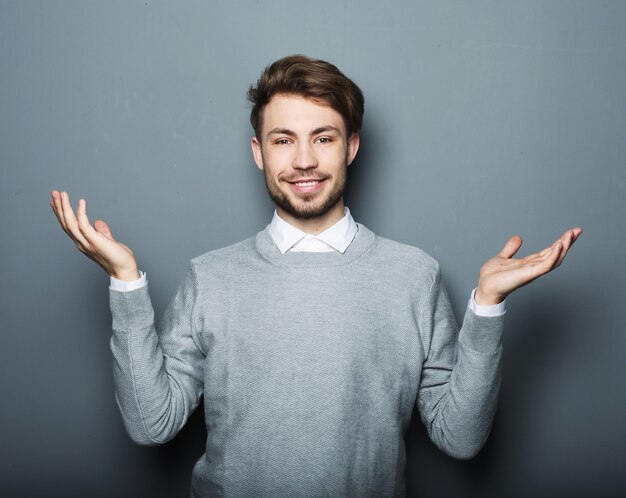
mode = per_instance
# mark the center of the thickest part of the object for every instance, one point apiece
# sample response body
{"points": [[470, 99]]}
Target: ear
{"points": [[257, 153], [353, 147]]}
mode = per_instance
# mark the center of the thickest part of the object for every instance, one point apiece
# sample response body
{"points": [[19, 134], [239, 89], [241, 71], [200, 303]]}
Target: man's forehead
{"points": [[297, 114]]}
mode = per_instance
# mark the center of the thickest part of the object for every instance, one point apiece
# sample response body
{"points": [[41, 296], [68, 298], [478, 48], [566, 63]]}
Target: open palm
{"points": [[97, 241], [502, 274]]}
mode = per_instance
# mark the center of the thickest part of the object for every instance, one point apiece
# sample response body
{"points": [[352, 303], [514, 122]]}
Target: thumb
{"points": [[103, 228], [511, 247]]}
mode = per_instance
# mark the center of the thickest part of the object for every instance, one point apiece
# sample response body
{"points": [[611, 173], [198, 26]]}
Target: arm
{"points": [[158, 377], [458, 391], [460, 379]]}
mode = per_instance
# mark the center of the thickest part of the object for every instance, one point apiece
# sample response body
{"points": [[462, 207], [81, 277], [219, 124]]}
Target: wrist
{"points": [[127, 275], [485, 299]]}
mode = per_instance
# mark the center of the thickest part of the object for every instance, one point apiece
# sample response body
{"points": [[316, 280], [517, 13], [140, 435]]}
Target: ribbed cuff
{"points": [[131, 310], [482, 334]]}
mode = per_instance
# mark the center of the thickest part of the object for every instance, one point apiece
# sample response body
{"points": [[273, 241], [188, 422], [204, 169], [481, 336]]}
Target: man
{"points": [[312, 341]]}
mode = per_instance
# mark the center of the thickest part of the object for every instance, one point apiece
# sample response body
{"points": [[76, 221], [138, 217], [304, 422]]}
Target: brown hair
{"points": [[312, 78]]}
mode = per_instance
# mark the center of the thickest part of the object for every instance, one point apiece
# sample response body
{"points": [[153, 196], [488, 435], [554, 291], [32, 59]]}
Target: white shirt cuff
{"points": [[489, 310], [124, 286]]}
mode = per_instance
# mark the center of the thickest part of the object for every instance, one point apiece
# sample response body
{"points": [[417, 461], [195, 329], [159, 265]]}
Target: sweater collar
{"points": [[361, 242]]}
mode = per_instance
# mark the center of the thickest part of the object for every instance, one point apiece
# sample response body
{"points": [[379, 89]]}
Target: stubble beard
{"points": [[311, 205]]}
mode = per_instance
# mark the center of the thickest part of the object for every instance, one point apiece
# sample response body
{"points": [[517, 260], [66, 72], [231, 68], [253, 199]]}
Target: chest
{"points": [[320, 329]]}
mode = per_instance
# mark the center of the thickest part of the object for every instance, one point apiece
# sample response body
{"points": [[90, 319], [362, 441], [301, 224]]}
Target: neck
{"points": [[315, 225]]}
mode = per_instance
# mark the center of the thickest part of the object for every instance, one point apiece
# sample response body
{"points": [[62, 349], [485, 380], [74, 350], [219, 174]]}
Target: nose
{"points": [[305, 157]]}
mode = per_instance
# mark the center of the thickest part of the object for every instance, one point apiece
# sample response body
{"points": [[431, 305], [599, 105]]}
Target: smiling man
{"points": [[313, 341]]}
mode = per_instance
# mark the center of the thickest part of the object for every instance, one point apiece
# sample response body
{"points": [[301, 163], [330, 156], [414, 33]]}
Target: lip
{"points": [[308, 185]]}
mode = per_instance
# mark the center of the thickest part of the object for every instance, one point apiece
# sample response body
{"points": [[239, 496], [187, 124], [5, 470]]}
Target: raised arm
{"points": [[157, 375], [458, 391]]}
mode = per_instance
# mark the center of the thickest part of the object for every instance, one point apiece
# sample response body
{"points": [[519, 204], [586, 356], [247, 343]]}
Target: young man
{"points": [[313, 340]]}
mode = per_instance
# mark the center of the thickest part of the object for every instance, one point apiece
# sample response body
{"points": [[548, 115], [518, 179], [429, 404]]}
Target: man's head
{"points": [[310, 78], [306, 115]]}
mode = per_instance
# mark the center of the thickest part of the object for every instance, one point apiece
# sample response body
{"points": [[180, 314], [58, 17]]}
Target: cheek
{"points": [[337, 157], [278, 157], [276, 163]]}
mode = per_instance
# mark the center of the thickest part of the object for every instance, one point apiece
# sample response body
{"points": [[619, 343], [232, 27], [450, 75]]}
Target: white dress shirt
{"points": [[336, 238], [291, 239]]}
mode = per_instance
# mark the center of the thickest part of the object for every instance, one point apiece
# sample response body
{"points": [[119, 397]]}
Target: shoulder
{"points": [[402, 264], [225, 257], [404, 255]]}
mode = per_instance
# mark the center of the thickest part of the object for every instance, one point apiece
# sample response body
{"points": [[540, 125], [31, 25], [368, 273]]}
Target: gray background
{"points": [[484, 119]]}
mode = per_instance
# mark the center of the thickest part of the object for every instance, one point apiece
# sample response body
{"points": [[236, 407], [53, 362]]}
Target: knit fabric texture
{"points": [[310, 365]]}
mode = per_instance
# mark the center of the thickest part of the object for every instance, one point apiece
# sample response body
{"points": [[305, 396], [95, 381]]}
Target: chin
{"points": [[306, 207], [306, 212]]}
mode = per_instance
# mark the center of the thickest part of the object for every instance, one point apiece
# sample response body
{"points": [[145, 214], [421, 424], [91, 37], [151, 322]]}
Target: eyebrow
{"points": [[291, 133]]}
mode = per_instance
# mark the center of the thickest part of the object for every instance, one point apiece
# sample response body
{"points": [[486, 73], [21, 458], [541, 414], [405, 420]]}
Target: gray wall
{"points": [[484, 119]]}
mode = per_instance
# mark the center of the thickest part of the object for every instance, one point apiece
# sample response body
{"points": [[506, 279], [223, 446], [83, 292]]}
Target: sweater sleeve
{"points": [[157, 375], [461, 373]]}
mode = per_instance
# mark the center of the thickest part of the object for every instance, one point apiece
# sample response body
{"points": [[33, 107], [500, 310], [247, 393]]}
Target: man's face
{"points": [[304, 153]]}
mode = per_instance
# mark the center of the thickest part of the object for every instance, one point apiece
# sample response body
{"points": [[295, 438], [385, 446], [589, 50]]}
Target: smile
{"points": [[306, 185]]}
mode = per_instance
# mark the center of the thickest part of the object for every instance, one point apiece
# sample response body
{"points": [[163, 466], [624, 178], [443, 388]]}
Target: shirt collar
{"points": [[338, 237]]}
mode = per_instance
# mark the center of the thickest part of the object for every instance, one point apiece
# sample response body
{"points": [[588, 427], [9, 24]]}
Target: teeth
{"points": [[306, 184]]}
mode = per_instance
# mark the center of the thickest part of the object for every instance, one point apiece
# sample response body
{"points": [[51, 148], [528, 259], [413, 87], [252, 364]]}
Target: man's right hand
{"points": [[96, 242]]}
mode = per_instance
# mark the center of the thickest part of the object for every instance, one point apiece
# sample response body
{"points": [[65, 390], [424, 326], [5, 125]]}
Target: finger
{"points": [[83, 221], [552, 257], [103, 228], [573, 231], [545, 252], [58, 210], [511, 247], [538, 257], [576, 232], [55, 204], [568, 240], [71, 222]]}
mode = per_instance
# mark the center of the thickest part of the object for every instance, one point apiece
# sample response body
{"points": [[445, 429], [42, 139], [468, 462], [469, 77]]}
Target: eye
{"points": [[324, 140], [282, 141]]}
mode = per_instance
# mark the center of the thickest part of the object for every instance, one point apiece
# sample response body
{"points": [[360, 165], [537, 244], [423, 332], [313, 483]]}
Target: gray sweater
{"points": [[310, 365]]}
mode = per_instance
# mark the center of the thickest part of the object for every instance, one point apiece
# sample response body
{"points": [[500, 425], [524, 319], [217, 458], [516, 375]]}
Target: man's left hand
{"points": [[502, 274]]}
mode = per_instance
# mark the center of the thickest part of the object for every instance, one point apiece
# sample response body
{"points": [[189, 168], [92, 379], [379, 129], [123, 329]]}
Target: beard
{"points": [[307, 206]]}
